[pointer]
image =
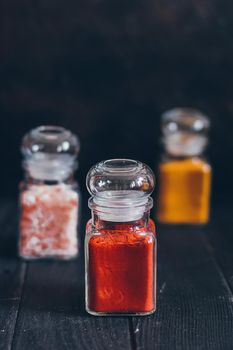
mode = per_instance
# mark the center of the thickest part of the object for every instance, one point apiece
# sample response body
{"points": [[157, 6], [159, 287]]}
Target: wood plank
{"points": [[52, 314], [219, 235], [12, 274], [195, 304]]}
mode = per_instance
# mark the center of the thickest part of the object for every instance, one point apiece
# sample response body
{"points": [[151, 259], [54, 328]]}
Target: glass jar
{"points": [[184, 174], [120, 244], [49, 196]]}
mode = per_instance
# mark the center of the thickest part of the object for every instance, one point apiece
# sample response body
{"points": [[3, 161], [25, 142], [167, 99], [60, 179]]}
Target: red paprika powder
{"points": [[120, 246]]}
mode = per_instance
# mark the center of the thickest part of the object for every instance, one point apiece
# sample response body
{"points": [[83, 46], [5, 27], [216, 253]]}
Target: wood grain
{"points": [[52, 314], [42, 303], [12, 274], [219, 240], [195, 305]]}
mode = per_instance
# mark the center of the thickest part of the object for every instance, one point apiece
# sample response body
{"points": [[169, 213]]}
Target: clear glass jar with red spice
{"points": [[120, 244], [49, 195]]}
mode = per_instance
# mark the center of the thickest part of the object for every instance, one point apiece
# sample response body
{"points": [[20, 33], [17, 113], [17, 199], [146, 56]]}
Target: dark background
{"points": [[108, 69]]}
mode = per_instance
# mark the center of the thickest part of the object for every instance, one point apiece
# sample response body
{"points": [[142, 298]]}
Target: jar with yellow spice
{"points": [[184, 174]]}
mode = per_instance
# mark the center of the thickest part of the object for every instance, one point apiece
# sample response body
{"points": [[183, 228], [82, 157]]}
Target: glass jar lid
{"points": [[50, 139], [184, 131], [50, 152], [120, 189], [117, 175]]}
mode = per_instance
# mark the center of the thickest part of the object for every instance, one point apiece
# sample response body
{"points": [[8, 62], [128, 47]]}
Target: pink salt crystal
{"points": [[48, 222]]}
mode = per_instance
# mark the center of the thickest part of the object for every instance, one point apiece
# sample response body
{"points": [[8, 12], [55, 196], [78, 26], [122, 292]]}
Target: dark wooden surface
{"points": [[42, 303]]}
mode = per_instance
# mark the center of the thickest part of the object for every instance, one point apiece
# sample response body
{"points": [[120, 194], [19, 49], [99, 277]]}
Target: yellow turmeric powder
{"points": [[184, 191]]}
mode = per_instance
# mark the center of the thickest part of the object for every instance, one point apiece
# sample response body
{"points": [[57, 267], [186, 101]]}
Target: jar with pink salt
{"points": [[49, 195]]}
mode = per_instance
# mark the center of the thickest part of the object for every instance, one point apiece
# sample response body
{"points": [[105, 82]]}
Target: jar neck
{"points": [[100, 224], [32, 181], [120, 206], [50, 168], [184, 145]]}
